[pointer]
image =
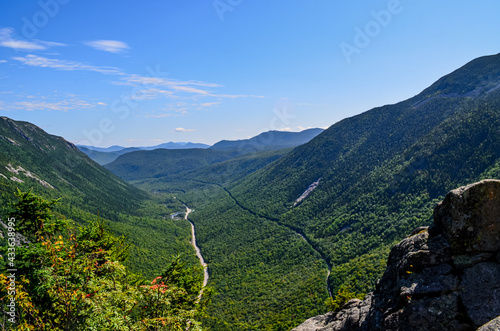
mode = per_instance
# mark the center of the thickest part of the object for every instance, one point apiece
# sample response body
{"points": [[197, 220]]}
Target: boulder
{"points": [[469, 217]]}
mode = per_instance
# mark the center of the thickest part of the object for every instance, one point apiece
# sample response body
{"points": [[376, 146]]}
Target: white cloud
{"points": [[112, 46], [195, 88], [38, 61], [62, 105], [3, 61], [7, 40], [192, 87], [184, 130], [210, 104], [102, 103], [149, 94], [143, 80]]}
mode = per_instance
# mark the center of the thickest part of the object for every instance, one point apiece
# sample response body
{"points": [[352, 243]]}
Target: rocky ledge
{"points": [[443, 277]]}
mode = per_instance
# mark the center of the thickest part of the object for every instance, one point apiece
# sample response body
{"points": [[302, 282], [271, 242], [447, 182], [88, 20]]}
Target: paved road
{"points": [[198, 252]]}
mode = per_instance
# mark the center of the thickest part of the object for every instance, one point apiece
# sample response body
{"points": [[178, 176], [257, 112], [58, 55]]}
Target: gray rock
{"points": [[466, 261], [426, 314], [351, 317], [469, 217], [481, 292]]}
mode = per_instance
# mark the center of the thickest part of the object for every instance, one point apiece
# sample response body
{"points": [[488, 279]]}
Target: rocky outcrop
{"points": [[446, 277]]}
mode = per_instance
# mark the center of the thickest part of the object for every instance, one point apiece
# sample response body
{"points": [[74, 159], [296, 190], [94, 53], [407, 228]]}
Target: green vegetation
{"points": [[164, 162], [341, 298], [268, 141], [71, 278], [55, 168], [267, 277], [381, 173]]}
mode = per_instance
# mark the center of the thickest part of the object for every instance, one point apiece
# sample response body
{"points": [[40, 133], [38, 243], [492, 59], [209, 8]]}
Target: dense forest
{"points": [[380, 174]]}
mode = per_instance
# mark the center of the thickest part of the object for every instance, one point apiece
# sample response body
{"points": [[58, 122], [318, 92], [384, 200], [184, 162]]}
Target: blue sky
{"points": [[140, 73]]}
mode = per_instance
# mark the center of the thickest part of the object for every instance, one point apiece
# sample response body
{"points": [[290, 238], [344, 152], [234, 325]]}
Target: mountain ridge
{"points": [[267, 141]]}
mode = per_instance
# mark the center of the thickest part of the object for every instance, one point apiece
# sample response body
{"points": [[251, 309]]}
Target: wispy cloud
{"points": [[193, 88], [148, 94], [62, 105], [112, 46], [147, 80], [39, 61], [3, 61], [173, 110], [7, 40], [210, 104], [184, 130]]}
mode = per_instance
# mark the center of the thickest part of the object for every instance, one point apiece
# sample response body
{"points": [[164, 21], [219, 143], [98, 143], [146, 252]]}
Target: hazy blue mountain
{"points": [[108, 154], [268, 141], [172, 145]]}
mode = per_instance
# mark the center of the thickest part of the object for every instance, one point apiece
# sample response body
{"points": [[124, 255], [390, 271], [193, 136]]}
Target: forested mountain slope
{"points": [[55, 168], [268, 141], [164, 162], [109, 154], [380, 171], [375, 178]]}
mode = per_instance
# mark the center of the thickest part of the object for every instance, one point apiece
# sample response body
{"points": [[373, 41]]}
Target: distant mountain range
{"points": [[162, 162], [268, 141], [105, 155], [169, 145]]}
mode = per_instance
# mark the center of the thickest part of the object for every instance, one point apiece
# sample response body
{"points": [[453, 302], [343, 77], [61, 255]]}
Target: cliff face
{"points": [[446, 277]]}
